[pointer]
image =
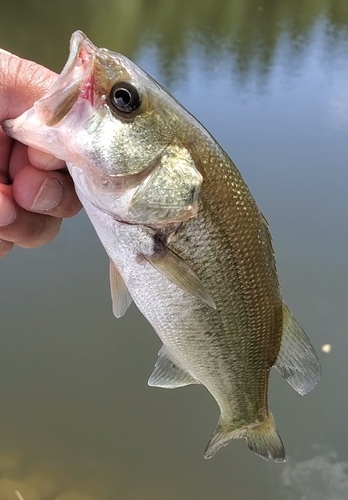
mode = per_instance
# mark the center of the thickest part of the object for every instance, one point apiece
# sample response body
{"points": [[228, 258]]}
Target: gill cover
{"points": [[124, 158], [170, 192]]}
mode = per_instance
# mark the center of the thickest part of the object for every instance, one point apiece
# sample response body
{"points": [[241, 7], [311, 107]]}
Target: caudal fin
{"points": [[265, 441], [221, 437], [262, 439]]}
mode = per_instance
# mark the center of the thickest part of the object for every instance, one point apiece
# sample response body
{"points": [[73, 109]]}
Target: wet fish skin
{"points": [[185, 237]]}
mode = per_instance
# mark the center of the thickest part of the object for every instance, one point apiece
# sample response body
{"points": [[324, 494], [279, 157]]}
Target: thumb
{"points": [[22, 83]]}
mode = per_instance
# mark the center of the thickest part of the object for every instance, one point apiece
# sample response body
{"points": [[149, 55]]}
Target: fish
{"points": [[185, 238]]}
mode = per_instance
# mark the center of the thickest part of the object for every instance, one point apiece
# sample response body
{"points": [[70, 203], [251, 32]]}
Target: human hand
{"points": [[35, 193]]}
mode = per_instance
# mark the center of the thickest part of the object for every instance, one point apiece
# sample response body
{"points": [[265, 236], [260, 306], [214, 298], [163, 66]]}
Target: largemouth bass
{"points": [[185, 238]]}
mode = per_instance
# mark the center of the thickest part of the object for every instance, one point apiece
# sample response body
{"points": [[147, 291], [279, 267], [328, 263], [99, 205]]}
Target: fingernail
{"points": [[49, 195], [7, 210]]}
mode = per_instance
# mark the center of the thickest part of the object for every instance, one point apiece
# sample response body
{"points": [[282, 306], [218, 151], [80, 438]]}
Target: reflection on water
{"points": [[269, 79], [250, 30], [322, 477]]}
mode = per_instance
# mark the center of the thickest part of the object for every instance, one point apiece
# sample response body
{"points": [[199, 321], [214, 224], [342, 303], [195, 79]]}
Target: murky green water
{"points": [[269, 79]]}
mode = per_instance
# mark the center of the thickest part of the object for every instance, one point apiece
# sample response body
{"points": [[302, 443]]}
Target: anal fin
{"points": [[167, 374], [297, 360], [120, 296]]}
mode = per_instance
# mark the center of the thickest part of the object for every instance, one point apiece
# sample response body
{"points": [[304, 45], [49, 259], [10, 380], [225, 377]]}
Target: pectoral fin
{"points": [[297, 360], [120, 296], [168, 374], [172, 267]]}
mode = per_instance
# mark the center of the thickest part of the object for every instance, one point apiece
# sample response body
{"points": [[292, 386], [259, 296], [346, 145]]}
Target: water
{"points": [[269, 80]]}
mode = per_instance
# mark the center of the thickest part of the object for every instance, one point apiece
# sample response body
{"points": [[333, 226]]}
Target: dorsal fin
{"points": [[297, 360]]}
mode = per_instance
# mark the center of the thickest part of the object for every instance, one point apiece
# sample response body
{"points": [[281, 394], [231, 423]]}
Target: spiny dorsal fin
{"points": [[297, 360], [167, 374], [172, 267], [120, 296]]}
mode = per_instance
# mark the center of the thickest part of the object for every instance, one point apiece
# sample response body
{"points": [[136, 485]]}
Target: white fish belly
{"points": [[182, 322]]}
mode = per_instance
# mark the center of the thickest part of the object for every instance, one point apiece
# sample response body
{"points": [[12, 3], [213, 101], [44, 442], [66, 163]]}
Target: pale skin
{"points": [[36, 193]]}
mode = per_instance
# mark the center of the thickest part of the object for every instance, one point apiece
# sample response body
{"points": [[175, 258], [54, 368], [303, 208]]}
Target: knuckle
{"points": [[46, 231], [73, 208], [40, 232], [5, 247]]}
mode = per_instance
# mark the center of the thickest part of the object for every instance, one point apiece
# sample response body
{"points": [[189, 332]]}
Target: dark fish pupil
{"points": [[124, 97]]}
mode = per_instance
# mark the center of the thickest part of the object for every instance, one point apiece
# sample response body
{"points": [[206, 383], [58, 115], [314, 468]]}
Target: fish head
{"points": [[116, 129]]}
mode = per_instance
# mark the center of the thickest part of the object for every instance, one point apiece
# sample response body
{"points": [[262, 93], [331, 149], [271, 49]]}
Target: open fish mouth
{"points": [[68, 104], [75, 81]]}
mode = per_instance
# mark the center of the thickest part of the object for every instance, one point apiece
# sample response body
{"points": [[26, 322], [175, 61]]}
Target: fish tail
{"points": [[262, 439], [221, 437]]}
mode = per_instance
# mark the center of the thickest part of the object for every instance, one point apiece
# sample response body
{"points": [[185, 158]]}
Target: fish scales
{"points": [[185, 238], [249, 305]]}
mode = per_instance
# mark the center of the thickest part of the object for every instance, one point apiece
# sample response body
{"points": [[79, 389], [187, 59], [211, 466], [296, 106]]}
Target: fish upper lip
{"points": [[80, 60], [76, 80]]}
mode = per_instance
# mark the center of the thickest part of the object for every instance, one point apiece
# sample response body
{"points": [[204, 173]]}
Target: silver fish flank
{"points": [[186, 240]]}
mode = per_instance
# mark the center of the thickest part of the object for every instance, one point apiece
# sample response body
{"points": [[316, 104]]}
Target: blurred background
{"points": [[269, 79]]}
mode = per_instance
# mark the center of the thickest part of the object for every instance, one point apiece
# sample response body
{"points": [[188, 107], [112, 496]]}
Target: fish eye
{"points": [[124, 97]]}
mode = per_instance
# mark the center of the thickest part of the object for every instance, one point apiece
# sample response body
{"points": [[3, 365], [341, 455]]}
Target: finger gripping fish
{"points": [[185, 238]]}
